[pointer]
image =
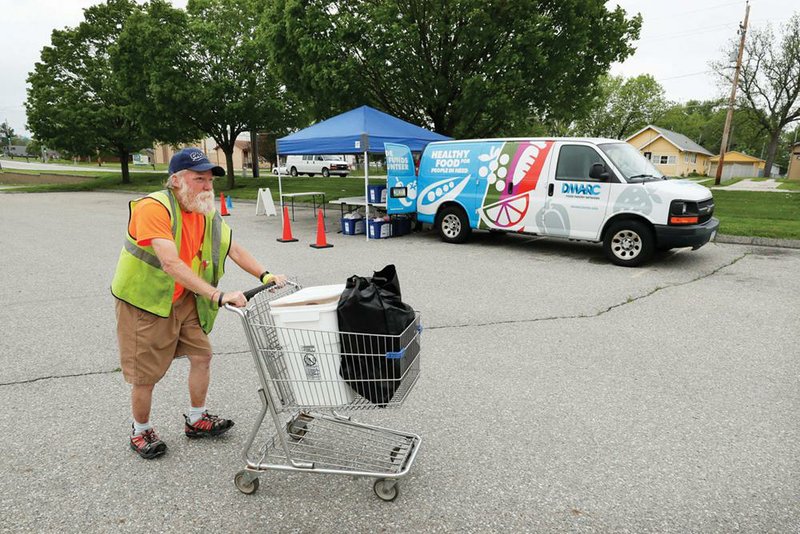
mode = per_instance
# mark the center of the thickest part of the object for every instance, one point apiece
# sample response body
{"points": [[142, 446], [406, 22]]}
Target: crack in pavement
{"points": [[599, 313], [443, 327], [90, 373]]}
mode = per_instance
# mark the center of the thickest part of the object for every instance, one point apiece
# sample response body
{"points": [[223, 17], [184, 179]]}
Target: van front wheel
{"points": [[325, 172], [453, 225], [629, 243]]}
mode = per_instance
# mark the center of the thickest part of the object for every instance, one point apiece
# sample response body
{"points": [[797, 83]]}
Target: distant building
{"points": [[672, 153], [241, 152], [738, 165], [16, 151], [794, 162]]}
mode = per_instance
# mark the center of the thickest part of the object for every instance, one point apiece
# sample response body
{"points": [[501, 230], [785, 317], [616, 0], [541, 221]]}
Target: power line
{"points": [[685, 75]]}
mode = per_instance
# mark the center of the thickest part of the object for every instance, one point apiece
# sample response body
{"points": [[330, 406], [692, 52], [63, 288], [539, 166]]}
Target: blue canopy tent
{"points": [[362, 130]]}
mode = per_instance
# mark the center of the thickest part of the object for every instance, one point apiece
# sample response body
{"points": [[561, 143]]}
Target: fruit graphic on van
{"points": [[510, 176]]}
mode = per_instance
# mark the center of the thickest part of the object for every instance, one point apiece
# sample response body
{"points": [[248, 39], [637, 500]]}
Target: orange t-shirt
{"points": [[150, 219]]}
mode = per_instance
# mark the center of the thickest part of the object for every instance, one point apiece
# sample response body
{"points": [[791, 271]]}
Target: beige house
{"points": [[241, 153], [737, 165], [672, 153], [794, 162]]}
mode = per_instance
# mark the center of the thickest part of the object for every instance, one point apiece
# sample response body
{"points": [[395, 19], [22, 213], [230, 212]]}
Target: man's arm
{"points": [[181, 273]]}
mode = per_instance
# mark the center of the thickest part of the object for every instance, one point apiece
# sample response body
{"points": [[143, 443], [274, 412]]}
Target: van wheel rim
{"points": [[451, 225], [626, 244]]}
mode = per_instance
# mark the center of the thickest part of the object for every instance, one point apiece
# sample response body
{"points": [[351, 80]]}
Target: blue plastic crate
{"points": [[353, 226], [379, 230], [377, 193], [401, 226]]}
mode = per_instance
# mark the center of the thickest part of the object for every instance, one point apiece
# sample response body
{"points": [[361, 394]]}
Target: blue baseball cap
{"points": [[193, 159]]}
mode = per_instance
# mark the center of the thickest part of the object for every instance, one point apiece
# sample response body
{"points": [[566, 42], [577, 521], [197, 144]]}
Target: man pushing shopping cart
{"points": [[165, 283]]}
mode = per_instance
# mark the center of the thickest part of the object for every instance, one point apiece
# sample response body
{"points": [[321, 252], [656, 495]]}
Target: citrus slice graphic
{"points": [[507, 212]]}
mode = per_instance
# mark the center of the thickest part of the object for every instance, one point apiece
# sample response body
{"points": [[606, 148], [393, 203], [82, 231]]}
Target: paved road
{"points": [[770, 185], [23, 165], [560, 393]]}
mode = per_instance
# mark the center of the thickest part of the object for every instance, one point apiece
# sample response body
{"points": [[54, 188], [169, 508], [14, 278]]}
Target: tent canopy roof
{"points": [[356, 131]]}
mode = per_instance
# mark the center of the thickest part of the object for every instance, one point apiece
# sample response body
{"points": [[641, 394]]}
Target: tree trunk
{"points": [[123, 160], [228, 150], [774, 139], [254, 151]]}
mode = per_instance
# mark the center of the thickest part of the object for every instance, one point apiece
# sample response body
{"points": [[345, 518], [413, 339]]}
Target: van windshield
{"points": [[633, 166]]}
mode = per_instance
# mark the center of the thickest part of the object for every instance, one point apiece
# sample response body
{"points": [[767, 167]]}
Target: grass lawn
{"points": [[747, 213], [246, 188], [757, 214]]}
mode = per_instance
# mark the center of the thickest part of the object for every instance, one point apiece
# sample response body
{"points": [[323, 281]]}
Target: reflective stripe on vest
{"points": [[138, 264]]}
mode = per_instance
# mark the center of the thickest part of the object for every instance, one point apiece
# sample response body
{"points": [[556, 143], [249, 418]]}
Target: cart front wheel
{"points": [[386, 489], [245, 482]]}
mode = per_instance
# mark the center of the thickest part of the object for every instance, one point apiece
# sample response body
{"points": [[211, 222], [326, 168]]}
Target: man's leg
{"points": [[199, 376], [199, 423], [141, 401], [143, 363]]}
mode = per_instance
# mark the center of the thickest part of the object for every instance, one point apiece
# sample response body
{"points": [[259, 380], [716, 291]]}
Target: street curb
{"points": [[760, 241]]}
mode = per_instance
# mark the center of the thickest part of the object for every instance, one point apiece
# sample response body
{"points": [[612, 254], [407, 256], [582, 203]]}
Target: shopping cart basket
{"points": [[298, 370]]}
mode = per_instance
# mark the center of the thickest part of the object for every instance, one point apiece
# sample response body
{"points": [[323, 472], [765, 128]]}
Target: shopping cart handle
{"points": [[250, 293]]}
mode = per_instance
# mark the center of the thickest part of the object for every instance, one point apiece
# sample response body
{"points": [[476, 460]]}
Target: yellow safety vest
{"points": [[140, 281]]}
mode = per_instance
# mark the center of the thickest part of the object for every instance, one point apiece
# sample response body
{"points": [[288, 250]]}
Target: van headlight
{"points": [[683, 212]]}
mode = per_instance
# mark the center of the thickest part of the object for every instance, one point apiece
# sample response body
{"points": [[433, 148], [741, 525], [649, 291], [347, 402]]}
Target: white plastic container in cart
{"points": [[312, 361]]}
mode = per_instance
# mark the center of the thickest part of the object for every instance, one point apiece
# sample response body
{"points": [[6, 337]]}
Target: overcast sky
{"points": [[679, 38]]}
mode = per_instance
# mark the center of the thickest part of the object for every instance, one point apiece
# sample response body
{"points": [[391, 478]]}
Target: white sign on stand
{"points": [[264, 204]]}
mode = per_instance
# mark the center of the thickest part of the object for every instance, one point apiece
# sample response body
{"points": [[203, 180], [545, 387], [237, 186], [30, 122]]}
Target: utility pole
{"points": [[729, 118]]}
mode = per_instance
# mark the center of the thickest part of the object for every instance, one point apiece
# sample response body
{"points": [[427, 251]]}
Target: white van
{"points": [[311, 165], [599, 190]]}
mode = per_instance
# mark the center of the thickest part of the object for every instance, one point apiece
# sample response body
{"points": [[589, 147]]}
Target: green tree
{"points": [[703, 122], [769, 81], [75, 100], [207, 72], [463, 67], [622, 107], [7, 133]]}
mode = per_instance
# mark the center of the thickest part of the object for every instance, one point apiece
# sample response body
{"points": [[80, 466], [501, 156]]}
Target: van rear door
{"points": [[401, 182]]}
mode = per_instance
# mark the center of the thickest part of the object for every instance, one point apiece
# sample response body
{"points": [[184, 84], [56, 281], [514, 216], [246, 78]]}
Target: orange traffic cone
{"points": [[321, 242], [223, 208], [287, 228]]}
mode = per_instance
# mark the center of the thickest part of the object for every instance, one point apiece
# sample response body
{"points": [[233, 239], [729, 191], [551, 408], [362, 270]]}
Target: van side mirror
{"points": [[598, 172]]}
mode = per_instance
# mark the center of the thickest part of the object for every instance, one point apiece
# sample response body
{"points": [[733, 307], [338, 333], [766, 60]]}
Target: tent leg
{"points": [[280, 184], [366, 194]]}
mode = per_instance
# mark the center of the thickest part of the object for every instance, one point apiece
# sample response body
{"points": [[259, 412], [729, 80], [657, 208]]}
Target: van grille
{"points": [[706, 209]]}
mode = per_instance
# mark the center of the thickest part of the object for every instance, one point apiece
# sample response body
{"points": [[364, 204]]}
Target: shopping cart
{"points": [[299, 378]]}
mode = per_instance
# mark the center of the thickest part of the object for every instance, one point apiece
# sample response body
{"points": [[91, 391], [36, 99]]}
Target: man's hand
{"points": [[279, 279], [234, 298]]}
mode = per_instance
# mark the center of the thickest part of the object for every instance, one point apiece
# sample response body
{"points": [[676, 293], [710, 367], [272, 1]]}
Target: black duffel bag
{"points": [[373, 306]]}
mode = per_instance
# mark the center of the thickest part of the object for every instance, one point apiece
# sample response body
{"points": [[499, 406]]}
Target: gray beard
{"points": [[202, 203]]}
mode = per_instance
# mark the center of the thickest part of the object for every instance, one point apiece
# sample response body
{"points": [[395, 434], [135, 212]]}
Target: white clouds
{"points": [[26, 29], [680, 37]]}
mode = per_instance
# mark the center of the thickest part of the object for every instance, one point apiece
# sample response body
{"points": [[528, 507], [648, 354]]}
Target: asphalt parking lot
{"points": [[559, 392]]}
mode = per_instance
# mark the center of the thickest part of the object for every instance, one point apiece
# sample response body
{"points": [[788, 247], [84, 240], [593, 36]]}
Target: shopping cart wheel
{"points": [[296, 429], [386, 489], [245, 482], [298, 426]]}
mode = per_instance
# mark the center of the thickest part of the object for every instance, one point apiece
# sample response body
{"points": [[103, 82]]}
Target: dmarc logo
{"points": [[580, 189]]}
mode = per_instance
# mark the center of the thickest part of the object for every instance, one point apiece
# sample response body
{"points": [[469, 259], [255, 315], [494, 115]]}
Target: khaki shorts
{"points": [[148, 343]]}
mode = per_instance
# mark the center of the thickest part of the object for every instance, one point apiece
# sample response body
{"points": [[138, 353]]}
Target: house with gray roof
{"points": [[672, 153]]}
